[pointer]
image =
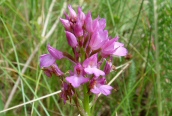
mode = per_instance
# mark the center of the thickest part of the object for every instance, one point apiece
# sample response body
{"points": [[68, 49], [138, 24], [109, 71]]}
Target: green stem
{"points": [[81, 111], [86, 101], [157, 62], [135, 24]]}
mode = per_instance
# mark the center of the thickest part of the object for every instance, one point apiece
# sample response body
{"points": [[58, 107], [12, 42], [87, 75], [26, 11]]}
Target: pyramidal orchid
{"points": [[91, 60]]}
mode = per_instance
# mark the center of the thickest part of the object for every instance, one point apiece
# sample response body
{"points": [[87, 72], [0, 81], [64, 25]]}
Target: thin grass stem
{"points": [[31, 101], [157, 63]]}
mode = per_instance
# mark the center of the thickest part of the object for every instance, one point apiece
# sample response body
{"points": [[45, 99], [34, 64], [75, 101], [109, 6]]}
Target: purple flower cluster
{"points": [[91, 47]]}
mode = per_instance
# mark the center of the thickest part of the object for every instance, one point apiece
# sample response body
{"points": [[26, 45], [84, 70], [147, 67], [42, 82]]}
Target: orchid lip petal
{"points": [[76, 81], [97, 72], [98, 86]]}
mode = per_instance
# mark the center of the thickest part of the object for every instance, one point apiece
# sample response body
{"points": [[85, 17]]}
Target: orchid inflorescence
{"points": [[91, 47]]}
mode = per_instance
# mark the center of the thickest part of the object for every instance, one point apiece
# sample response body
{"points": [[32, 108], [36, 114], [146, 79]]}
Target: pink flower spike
{"points": [[90, 66], [46, 60], [77, 79], [120, 50], [55, 53], [72, 12], [98, 86], [72, 41]]}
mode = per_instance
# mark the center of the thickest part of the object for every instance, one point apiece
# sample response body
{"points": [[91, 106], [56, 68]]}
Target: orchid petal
{"points": [[76, 81], [46, 60]]}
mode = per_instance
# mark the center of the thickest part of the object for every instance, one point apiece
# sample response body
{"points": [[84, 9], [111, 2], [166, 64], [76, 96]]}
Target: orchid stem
{"points": [[86, 101]]}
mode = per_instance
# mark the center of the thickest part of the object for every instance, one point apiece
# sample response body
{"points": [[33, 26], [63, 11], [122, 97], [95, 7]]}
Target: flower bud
{"points": [[108, 67], [65, 23], [78, 29], [88, 22], [72, 41], [55, 53], [73, 14], [81, 15]]}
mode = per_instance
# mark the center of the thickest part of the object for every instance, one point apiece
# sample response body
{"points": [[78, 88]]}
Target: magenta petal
{"points": [[95, 24], [46, 60], [98, 39], [65, 23], [102, 23], [90, 61], [108, 47], [81, 15], [56, 70], [78, 29], [76, 81], [105, 89], [108, 67], [72, 41], [97, 86], [118, 44], [88, 22], [55, 53], [97, 72], [121, 51], [72, 12], [95, 90]]}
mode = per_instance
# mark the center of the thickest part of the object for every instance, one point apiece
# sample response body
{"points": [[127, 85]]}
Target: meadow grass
{"points": [[142, 87]]}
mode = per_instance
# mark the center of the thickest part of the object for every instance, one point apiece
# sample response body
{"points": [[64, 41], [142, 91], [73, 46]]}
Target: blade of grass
{"points": [[32, 56], [31, 101], [131, 90], [6, 73], [45, 79], [157, 63], [18, 66], [36, 88], [135, 24], [114, 78], [26, 84], [111, 13]]}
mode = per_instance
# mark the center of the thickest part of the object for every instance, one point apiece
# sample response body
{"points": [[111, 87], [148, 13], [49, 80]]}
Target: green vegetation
{"points": [[142, 89]]}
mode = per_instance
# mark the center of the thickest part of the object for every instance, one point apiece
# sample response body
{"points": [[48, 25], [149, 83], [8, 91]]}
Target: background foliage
{"points": [[143, 89]]}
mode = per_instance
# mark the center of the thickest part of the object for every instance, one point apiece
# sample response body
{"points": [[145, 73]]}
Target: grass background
{"points": [[143, 89]]}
